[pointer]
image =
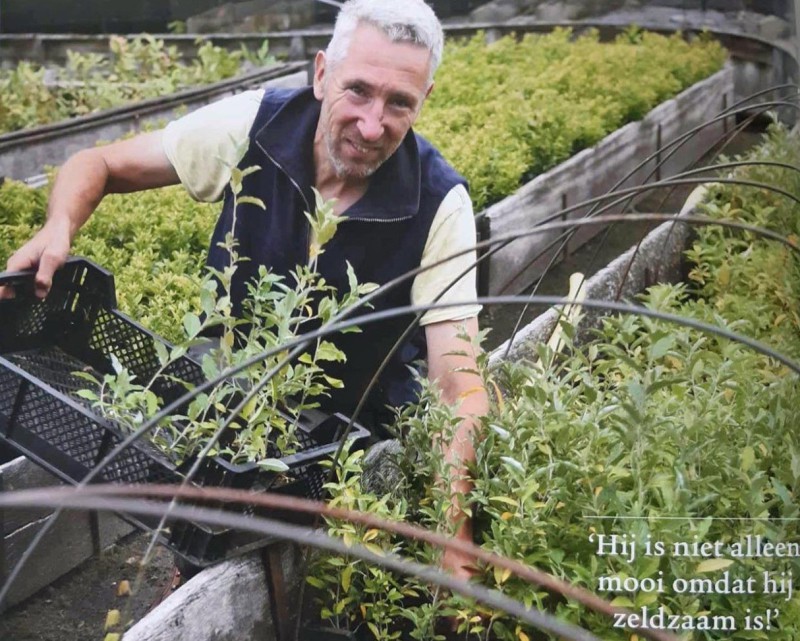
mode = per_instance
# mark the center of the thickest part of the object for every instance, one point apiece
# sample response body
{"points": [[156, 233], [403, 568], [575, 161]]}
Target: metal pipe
{"points": [[797, 34]]}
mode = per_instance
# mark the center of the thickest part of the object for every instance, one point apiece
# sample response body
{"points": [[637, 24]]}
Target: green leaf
{"points": [[191, 324], [116, 365], [251, 200], [661, 347], [161, 352], [273, 465], [347, 573], [712, 565], [315, 582], [748, 458], [513, 463], [250, 170], [335, 383], [329, 352]]}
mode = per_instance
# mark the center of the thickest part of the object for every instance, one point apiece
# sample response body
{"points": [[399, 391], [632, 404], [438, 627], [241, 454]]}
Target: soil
{"points": [[74, 608]]}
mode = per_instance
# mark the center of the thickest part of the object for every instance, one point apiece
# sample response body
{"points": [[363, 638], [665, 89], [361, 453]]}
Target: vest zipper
{"points": [[302, 195], [377, 220]]}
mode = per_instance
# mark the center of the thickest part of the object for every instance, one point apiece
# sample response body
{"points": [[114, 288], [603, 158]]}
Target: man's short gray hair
{"points": [[401, 20]]}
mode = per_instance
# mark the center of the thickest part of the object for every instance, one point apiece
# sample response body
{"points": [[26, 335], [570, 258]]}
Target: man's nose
{"points": [[370, 125]]}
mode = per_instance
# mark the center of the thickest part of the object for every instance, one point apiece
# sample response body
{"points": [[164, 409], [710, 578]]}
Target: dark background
{"points": [[131, 16]]}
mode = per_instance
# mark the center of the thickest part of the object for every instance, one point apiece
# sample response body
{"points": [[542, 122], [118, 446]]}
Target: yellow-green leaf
{"points": [[748, 458], [712, 565], [347, 574]]}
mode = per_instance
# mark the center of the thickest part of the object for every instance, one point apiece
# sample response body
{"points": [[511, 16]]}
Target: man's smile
{"points": [[361, 148]]}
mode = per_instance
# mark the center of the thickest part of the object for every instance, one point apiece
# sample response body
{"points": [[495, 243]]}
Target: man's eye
{"points": [[358, 90]]}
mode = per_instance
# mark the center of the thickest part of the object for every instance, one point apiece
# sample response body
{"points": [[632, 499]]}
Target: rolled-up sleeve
{"points": [[204, 144], [450, 257]]}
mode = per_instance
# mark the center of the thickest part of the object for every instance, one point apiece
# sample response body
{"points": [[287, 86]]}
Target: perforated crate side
{"points": [[66, 437]]}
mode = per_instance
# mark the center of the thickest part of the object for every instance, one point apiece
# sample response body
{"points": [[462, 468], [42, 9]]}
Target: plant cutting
{"points": [[275, 313]]}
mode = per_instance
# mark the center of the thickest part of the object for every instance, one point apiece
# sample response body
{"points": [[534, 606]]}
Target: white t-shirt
{"points": [[204, 144]]}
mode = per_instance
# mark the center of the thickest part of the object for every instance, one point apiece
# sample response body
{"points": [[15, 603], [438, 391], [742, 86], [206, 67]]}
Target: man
{"points": [[349, 136]]}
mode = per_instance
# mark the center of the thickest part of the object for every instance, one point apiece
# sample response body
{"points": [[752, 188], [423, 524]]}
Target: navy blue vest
{"points": [[383, 237]]}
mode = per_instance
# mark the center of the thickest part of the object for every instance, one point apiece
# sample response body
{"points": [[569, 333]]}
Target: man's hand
{"points": [[82, 182], [45, 252], [452, 364]]}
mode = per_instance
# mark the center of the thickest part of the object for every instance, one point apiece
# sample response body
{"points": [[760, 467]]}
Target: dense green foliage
{"points": [[650, 429], [505, 112], [153, 242], [133, 69]]}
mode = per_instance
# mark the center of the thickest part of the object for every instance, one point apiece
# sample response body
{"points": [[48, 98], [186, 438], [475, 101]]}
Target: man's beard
{"points": [[342, 169]]}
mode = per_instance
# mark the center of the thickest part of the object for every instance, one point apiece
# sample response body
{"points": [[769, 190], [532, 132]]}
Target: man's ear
{"points": [[428, 93], [422, 102], [319, 74]]}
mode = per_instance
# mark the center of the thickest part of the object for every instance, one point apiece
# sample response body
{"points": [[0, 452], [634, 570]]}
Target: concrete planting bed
{"points": [[595, 171], [26, 153]]}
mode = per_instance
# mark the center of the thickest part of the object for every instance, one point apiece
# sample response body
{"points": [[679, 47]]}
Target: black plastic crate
{"points": [[77, 328]]}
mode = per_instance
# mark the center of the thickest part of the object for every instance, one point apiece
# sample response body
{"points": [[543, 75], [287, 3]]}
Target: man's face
{"points": [[370, 99]]}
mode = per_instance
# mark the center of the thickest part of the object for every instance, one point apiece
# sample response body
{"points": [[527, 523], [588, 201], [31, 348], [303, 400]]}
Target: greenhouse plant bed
{"points": [[28, 152], [592, 173], [658, 258]]}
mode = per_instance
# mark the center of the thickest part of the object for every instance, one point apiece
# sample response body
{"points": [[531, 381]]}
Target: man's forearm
{"points": [[79, 187], [128, 165], [459, 453], [452, 363]]}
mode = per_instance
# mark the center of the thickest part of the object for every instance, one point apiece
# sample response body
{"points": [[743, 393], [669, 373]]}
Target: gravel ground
{"points": [[74, 608]]}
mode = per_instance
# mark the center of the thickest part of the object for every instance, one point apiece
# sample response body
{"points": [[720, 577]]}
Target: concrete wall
{"points": [[658, 259], [592, 173], [225, 603], [75, 537]]}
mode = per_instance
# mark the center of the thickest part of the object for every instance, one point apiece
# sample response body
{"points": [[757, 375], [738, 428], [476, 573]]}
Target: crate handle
{"points": [[21, 279], [24, 280]]}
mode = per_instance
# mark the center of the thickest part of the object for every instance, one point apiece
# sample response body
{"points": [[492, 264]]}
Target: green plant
{"points": [[506, 112], [177, 26], [649, 430], [260, 57], [276, 312], [133, 69]]}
